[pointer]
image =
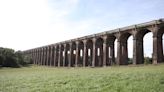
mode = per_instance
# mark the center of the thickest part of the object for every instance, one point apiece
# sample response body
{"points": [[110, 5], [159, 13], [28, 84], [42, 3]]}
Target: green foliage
{"points": [[147, 60], [144, 78], [10, 58], [130, 60]]}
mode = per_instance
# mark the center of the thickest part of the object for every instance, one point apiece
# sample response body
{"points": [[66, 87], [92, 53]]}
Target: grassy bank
{"points": [[149, 78]]}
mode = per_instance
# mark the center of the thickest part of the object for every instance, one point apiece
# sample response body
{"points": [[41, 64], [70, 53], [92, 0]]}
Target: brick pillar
{"points": [[70, 55], [112, 53], [135, 51], [160, 49], [157, 48], [94, 52], [51, 48], [138, 57], [160, 42], [105, 51], [41, 56], [45, 54], [77, 54], [119, 52], [37, 55], [85, 52], [55, 55], [34, 56], [124, 53], [40, 53], [64, 57], [59, 56]]}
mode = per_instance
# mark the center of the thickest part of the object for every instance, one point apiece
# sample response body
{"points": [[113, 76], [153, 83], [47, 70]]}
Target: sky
{"points": [[26, 24]]}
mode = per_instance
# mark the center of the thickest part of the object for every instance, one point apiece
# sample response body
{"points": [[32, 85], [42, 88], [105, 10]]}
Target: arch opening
{"points": [[160, 56], [111, 50], [148, 48], [89, 46], [124, 48], [57, 55], [130, 49], [73, 54], [62, 54], [99, 52], [52, 56], [67, 52], [144, 46], [80, 53]]}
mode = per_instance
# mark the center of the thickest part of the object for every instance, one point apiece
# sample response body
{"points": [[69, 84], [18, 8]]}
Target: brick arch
{"points": [[73, 54], [99, 41], [52, 55], [99, 51], [56, 55], [158, 44], [124, 36], [37, 53], [138, 49], [42, 55], [49, 55], [160, 32], [141, 33], [110, 60], [60, 55], [80, 52], [124, 47], [66, 54], [111, 38], [89, 52]]}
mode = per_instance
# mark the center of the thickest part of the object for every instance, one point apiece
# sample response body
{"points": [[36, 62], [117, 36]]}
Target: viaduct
{"points": [[98, 50]]}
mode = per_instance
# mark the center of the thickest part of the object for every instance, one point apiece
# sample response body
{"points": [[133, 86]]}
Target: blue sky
{"points": [[26, 24]]}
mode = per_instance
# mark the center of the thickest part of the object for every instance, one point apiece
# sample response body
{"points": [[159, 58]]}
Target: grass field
{"points": [[143, 78]]}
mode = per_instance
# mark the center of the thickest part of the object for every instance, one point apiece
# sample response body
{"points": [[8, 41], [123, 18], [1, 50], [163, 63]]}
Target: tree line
{"points": [[12, 58]]}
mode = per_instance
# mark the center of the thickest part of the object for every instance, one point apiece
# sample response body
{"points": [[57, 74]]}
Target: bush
{"points": [[147, 60], [10, 58], [130, 60]]}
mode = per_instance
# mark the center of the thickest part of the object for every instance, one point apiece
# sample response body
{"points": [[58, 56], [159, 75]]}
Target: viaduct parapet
{"points": [[98, 49]]}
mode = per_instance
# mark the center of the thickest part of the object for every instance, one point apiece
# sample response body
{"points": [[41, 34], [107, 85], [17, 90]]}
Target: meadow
{"points": [[142, 78]]}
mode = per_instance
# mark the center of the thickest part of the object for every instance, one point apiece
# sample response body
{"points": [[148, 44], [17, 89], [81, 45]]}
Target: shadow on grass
{"points": [[18, 66]]}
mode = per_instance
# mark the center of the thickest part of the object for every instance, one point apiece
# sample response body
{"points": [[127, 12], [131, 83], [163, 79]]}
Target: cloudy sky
{"points": [[25, 24]]}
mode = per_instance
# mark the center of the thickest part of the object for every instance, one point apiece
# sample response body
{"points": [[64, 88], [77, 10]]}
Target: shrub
{"points": [[10, 58], [147, 60]]}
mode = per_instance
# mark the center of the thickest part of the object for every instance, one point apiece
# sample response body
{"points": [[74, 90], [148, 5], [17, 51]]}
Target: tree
{"points": [[10, 58]]}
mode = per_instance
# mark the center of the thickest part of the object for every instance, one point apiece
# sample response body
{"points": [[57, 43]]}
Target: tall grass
{"points": [[149, 78]]}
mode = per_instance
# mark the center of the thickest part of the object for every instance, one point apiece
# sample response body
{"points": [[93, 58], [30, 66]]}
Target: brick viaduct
{"points": [[98, 49]]}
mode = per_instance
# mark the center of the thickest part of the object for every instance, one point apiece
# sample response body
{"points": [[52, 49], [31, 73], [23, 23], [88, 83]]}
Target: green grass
{"points": [[148, 78]]}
